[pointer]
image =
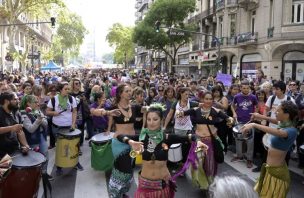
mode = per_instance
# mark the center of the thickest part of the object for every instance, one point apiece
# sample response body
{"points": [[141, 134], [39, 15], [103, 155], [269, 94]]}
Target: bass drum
{"points": [[175, 153], [25, 175]]}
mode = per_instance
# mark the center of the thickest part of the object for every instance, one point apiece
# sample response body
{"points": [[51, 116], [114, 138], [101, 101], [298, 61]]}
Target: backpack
{"points": [[273, 98], [53, 102]]}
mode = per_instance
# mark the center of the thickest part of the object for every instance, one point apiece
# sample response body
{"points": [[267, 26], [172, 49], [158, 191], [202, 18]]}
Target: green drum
{"points": [[101, 152]]}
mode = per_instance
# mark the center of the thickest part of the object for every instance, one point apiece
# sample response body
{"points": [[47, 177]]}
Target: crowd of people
{"points": [[149, 113]]}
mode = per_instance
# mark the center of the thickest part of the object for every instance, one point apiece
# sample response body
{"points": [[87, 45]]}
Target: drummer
{"points": [[274, 180], [243, 105], [11, 133], [64, 114]]}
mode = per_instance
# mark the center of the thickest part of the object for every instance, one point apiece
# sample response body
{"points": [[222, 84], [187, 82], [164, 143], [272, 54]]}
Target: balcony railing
{"points": [[231, 2], [143, 4], [247, 37], [220, 4], [246, 2]]}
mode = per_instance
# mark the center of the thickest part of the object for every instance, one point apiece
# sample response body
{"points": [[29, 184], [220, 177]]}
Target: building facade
{"points": [[254, 34], [28, 39]]}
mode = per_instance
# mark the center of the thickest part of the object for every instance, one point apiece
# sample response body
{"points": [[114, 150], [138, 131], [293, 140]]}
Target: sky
{"points": [[101, 15]]}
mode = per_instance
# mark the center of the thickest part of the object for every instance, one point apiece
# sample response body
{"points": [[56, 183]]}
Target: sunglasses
{"points": [[292, 84], [160, 90]]}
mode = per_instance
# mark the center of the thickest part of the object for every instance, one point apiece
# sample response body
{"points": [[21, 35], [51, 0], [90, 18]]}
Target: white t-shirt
{"points": [[275, 105], [65, 118]]}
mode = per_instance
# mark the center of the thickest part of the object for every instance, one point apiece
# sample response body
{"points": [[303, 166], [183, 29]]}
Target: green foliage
{"points": [[120, 38], [170, 13], [68, 38]]}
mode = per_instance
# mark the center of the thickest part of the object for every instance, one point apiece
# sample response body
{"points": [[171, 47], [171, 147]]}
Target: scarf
{"points": [[285, 124], [157, 135], [63, 101]]}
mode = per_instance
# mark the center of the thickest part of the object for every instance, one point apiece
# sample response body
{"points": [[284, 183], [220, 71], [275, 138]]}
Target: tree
{"points": [[68, 38], [12, 9], [120, 37], [170, 13]]}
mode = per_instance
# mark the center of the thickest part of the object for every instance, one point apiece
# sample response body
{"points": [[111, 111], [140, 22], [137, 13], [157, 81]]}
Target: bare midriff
{"points": [[155, 170], [124, 129], [276, 157], [203, 131]]}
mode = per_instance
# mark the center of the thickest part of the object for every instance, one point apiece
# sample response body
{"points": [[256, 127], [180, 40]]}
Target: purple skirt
{"points": [[209, 164]]}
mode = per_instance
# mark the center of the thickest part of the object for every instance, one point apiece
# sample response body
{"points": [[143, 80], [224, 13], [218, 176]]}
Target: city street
{"points": [[93, 184]]}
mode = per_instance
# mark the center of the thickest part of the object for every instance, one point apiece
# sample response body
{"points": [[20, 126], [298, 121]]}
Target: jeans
{"points": [[43, 149], [250, 147]]}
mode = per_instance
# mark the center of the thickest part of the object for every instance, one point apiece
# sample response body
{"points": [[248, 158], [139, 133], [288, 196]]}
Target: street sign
{"points": [[176, 33], [33, 56]]}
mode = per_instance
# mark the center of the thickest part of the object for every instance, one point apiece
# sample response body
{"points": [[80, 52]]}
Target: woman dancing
{"points": [[274, 180], [154, 179], [122, 173], [205, 118]]}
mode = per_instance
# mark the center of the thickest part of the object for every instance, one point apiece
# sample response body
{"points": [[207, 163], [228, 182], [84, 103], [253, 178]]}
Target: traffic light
{"points": [[53, 21], [157, 26]]}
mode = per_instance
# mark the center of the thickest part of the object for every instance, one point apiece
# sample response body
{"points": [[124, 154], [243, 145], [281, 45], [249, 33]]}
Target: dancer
{"points": [[155, 179], [122, 173], [206, 118], [274, 180]]}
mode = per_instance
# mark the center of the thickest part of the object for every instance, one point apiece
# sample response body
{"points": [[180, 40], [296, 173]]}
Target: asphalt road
{"points": [[93, 184]]}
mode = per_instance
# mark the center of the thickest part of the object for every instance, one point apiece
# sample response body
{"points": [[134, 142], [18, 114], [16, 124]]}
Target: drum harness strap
{"points": [[46, 185]]}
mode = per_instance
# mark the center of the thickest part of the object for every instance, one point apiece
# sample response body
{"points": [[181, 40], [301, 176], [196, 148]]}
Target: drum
{"points": [[24, 178], [237, 134], [301, 149], [101, 138], [266, 141], [175, 153], [67, 148], [101, 151]]}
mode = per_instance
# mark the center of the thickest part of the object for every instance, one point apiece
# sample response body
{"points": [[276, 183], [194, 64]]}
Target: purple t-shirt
{"points": [[244, 105], [99, 122]]}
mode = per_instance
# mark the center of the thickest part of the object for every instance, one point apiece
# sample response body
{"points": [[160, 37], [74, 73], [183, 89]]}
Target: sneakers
{"points": [[235, 159], [257, 169], [59, 171], [78, 167], [249, 164]]}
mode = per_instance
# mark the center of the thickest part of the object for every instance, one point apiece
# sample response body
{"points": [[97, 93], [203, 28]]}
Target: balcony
{"points": [[220, 4], [248, 3], [143, 5], [247, 37], [230, 3]]}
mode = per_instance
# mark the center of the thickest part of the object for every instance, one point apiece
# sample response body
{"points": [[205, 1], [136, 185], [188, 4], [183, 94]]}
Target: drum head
{"points": [[68, 133], [101, 137], [30, 160], [175, 146], [266, 140], [237, 128]]}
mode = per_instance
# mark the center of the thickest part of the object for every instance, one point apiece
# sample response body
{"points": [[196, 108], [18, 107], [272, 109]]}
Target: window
{"points": [[253, 22], [221, 26], [297, 15], [232, 25]]}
